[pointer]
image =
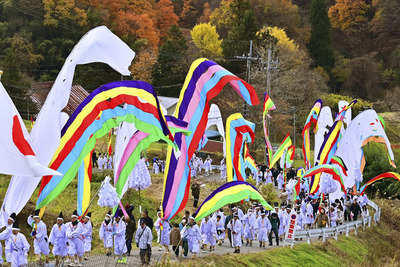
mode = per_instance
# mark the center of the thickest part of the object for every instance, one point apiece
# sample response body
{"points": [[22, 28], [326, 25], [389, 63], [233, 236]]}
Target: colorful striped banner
{"points": [[204, 81]]}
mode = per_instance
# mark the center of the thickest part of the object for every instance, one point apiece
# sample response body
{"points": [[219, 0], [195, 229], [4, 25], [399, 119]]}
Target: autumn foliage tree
{"points": [[165, 17], [206, 38], [349, 15]]}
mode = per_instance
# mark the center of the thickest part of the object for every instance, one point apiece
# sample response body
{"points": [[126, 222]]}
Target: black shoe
{"points": [[247, 244], [235, 251], [238, 251], [251, 244], [270, 244], [264, 246], [260, 244]]}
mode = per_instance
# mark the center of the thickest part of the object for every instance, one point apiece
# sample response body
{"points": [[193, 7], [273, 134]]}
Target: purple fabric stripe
{"points": [[178, 122], [203, 67], [134, 84]]}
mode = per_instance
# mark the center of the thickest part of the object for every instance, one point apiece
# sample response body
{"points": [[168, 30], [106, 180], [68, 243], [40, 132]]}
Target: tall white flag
{"points": [[98, 45]]}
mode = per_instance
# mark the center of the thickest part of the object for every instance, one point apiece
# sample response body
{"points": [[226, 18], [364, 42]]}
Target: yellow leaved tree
{"points": [[206, 38], [283, 41]]}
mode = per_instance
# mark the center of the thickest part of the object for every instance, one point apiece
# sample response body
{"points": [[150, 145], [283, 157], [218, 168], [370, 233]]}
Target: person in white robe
{"points": [[264, 226], [199, 165], [58, 238], [280, 181], [110, 162], [282, 219], [208, 232], [17, 247], [158, 230], [223, 170], [156, 168], [87, 235], [39, 235], [193, 172], [309, 215], [75, 240], [236, 227], [250, 227], [268, 177], [105, 233], [193, 236], [300, 219], [258, 178], [119, 230], [100, 162], [6, 234], [333, 215], [220, 227]]}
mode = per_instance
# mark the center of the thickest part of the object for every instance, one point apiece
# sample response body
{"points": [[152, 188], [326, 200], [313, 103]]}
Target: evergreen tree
{"points": [[243, 28], [320, 44], [171, 67]]}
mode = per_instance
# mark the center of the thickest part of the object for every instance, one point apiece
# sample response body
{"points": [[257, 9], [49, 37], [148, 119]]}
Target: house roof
{"points": [[39, 91], [167, 102]]}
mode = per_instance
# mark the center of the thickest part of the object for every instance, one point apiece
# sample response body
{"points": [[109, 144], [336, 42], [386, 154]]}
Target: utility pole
{"points": [[294, 126], [248, 59]]}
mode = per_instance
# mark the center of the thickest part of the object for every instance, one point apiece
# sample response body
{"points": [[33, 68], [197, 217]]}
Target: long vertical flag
{"points": [[84, 180], [204, 81], [286, 143], [329, 146], [268, 106], [98, 45], [311, 119], [16, 153]]}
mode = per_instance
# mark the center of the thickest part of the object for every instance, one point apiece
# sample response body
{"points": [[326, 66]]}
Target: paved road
{"points": [[134, 259]]}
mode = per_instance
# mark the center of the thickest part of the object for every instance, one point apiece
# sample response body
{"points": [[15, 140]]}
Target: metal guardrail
{"points": [[334, 232]]}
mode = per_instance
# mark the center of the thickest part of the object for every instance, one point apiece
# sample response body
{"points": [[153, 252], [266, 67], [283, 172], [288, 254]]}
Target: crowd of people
{"points": [[312, 211], [198, 166], [70, 240], [103, 162]]}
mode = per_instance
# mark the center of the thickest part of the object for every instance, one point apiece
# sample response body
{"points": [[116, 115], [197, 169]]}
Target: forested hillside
{"points": [[318, 47]]}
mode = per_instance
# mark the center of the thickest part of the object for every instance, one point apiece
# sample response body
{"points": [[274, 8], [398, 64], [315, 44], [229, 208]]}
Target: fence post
{"points": [[369, 221], [347, 230], [336, 233], [323, 235], [355, 228], [363, 223], [308, 238]]}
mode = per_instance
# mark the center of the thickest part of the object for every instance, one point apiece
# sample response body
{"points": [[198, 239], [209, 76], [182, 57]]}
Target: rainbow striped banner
{"points": [[204, 81], [329, 145], [231, 192], [286, 143], [81, 131], [268, 106], [380, 177], [326, 168], [311, 119]]}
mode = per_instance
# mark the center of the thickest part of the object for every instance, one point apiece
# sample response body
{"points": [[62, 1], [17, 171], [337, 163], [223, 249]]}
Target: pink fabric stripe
{"points": [[130, 147], [180, 166]]}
